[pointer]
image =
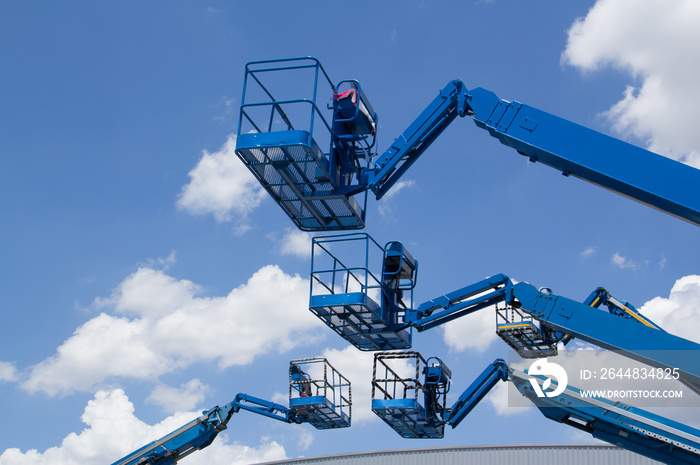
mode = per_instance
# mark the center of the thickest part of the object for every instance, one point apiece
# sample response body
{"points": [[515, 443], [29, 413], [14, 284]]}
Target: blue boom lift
{"points": [[318, 395], [414, 406], [372, 308], [318, 161]]}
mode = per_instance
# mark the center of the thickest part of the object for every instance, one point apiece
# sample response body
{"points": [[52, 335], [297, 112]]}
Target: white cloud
{"points": [[623, 262], [105, 346], [398, 187], [169, 328], [306, 438], [222, 452], [588, 251], [475, 332], [662, 262], [296, 243], [187, 397], [384, 205], [150, 293], [656, 43], [498, 398], [680, 312], [228, 109], [114, 431], [220, 184], [8, 372], [355, 365], [160, 262]]}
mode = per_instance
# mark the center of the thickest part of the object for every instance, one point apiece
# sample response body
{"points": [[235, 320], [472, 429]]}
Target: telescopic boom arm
{"points": [[622, 328], [201, 432], [633, 172], [320, 169], [318, 395]]}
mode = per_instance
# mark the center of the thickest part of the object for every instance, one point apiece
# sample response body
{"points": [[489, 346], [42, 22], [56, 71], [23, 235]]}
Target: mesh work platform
{"points": [[407, 417], [319, 412], [523, 334], [358, 319], [294, 171]]}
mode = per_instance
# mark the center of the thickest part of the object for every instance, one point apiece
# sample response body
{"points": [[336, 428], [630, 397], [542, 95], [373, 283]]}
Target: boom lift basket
{"points": [[399, 398], [286, 140], [319, 394], [520, 331], [351, 297]]}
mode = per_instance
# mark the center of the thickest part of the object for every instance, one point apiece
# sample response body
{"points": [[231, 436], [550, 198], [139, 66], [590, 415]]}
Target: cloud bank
{"points": [[158, 323], [677, 312], [113, 431], [221, 185], [656, 44]]}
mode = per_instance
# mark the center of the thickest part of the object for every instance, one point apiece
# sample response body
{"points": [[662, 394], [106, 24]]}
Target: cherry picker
{"points": [[370, 304], [318, 163], [318, 395]]}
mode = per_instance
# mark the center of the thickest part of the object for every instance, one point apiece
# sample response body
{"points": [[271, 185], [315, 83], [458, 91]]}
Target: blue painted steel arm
{"points": [[265, 408], [601, 296], [639, 174], [459, 303], [201, 432], [640, 342], [495, 372], [411, 144], [634, 429], [644, 176], [189, 438], [635, 337]]}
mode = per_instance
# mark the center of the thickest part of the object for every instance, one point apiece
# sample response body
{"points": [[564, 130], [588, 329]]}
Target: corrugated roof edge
{"points": [[445, 449]]}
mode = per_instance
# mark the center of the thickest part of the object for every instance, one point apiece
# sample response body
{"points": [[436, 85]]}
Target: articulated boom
{"points": [[314, 161], [408, 393], [533, 322], [364, 303], [492, 374], [414, 406], [318, 395], [626, 426], [318, 163]]}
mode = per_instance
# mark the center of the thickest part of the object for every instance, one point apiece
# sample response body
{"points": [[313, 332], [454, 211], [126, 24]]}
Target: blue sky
{"points": [[145, 277]]}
